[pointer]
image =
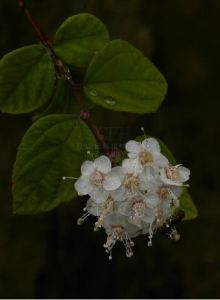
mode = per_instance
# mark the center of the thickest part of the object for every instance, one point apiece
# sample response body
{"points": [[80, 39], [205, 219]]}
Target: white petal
{"points": [[176, 191], [131, 165], [103, 164], [149, 218], [99, 195], [111, 182], [87, 168], [119, 195], [151, 145], [124, 209], [117, 171], [132, 155], [184, 173], [160, 160], [148, 180], [92, 207], [133, 146], [152, 200], [82, 186]]}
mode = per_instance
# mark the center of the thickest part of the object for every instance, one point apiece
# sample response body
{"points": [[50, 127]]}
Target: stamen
{"points": [[150, 236], [127, 245], [65, 178], [118, 234], [110, 256], [81, 220], [106, 209], [143, 130], [130, 241], [174, 235]]}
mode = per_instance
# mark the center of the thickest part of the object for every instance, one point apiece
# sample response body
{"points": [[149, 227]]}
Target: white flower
{"points": [[130, 178], [138, 197], [174, 175], [159, 192], [137, 210], [107, 207], [96, 179], [146, 153]]}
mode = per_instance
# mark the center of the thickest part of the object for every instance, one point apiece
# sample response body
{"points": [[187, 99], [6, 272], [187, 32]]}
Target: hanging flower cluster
{"points": [[135, 198]]}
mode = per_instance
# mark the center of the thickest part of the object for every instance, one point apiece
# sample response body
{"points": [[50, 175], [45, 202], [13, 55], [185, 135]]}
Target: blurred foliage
{"points": [[48, 255]]}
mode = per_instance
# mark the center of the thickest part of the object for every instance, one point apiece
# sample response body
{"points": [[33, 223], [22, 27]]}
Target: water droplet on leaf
{"points": [[93, 93], [109, 100]]}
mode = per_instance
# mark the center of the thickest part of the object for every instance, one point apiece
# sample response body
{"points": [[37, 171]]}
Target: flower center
{"points": [[97, 178], [119, 230], [138, 207], [164, 193], [145, 158], [172, 173], [131, 182]]}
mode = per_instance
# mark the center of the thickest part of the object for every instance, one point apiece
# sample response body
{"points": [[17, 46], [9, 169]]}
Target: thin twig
{"points": [[64, 72]]}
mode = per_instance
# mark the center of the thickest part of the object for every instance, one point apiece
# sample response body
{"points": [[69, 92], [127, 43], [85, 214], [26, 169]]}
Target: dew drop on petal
{"points": [[109, 100]]}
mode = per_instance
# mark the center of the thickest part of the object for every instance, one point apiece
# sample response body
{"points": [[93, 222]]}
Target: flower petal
{"points": [[124, 209], [184, 173], [99, 195], [133, 146], [117, 171], [103, 164], [87, 168], [149, 218], [82, 186], [160, 160], [92, 207], [176, 191], [151, 145], [152, 200], [119, 195], [148, 180], [131, 165], [111, 182]]}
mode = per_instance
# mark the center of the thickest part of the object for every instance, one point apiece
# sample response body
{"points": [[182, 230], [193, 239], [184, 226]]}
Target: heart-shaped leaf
{"points": [[120, 78], [26, 79], [55, 146], [78, 38]]}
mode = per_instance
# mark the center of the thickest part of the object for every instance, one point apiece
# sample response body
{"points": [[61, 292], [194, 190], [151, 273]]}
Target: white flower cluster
{"points": [[135, 198]]}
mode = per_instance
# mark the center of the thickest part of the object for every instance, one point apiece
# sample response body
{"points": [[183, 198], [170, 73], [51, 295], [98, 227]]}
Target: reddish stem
{"points": [[64, 72]]}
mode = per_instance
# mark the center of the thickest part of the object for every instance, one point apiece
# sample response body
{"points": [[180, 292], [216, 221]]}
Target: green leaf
{"points": [[186, 202], [26, 79], [53, 147], [187, 205], [120, 78], [78, 39]]}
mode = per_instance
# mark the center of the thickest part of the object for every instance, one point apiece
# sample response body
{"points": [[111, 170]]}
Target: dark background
{"points": [[48, 255]]}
